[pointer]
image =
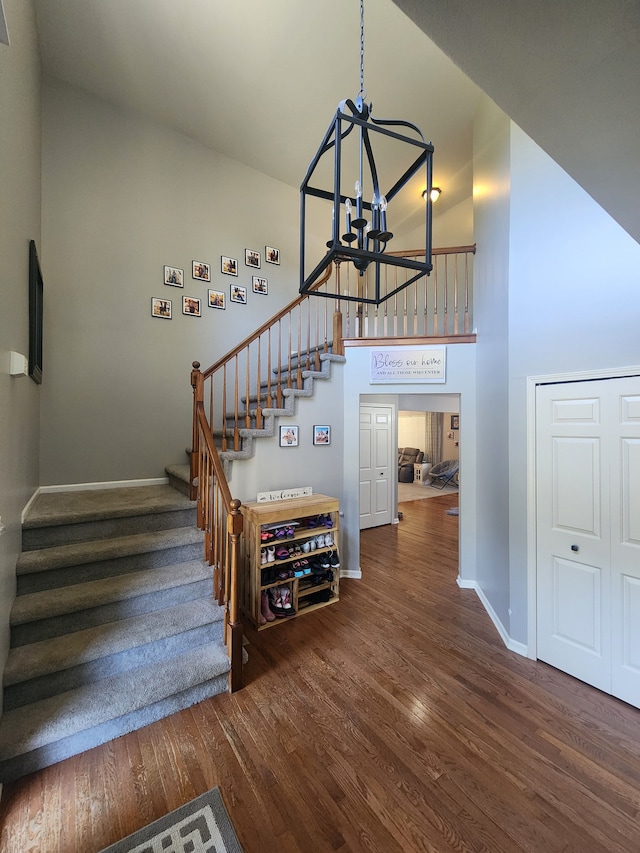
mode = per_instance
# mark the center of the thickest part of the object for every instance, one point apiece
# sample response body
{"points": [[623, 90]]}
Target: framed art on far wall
{"points": [[191, 306], [174, 276], [271, 255], [161, 308], [260, 285], [217, 299], [288, 436], [201, 271], [322, 435], [251, 258], [455, 421], [238, 294]]}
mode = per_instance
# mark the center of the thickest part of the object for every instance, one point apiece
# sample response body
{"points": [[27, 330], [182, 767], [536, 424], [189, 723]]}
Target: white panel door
{"points": [[376, 465], [574, 606], [588, 513], [625, 541]]}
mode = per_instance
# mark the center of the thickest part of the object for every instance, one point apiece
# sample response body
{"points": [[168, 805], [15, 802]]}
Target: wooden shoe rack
{"points": [[300, 514]]}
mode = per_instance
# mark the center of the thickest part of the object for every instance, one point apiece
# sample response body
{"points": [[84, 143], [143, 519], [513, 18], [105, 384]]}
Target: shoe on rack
{"points": [[334, 560], [326, 560], [328, 540], [320, 540], [286, 601], [275, 601], [263, 556], [282, 553], [265, 611], [271, 554]]}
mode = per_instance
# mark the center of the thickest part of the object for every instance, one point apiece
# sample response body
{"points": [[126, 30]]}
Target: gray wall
{"points": [[20, 217], [121, 198]]}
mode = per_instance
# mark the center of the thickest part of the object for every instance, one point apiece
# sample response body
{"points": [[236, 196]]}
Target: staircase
{"points": [[114, 625]]}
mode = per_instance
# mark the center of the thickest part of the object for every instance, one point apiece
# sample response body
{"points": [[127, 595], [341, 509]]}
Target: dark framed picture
{"points": [[191, 307], [201, 271], [271, 255], [174, 276], [217, 299], [251, 258], [455, 421], [161, 308], [322, 434], [229, 266], [260, 285], [36, 316], [288, 436], [238, 294]]}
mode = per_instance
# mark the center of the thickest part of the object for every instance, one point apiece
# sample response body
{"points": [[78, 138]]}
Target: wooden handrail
{"points": [[268, 324]]}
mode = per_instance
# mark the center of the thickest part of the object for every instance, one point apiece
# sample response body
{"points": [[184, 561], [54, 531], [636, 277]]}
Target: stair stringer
{"points": [[271, 415]]}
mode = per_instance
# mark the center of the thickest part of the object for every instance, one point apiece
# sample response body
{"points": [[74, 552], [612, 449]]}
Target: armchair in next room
{"points": [[407, 458]]}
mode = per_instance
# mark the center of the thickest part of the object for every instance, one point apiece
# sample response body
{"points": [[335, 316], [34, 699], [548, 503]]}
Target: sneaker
{"points": [[320, 540], [271, 554], [263, 556], [334, 560], [328, 540]]}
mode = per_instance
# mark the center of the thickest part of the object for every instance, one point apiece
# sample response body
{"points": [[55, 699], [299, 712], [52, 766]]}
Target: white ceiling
{"points": [[260, 81]]}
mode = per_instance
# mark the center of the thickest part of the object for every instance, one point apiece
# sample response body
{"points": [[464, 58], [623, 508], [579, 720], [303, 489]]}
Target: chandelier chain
{"points": [[363, 91]]}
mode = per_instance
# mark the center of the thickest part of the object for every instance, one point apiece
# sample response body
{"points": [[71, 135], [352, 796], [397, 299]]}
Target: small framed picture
{"points": [[238, 294], [229, 266], [251, 258], [288, 436], [217, 299], [322, 435], [161, 308], [174, 276], [455, 421], [271, 255], [191, 306], [260, 285], [201, 271]]}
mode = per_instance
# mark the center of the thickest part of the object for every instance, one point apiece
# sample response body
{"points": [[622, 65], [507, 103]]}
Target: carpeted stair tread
{"points": [[45, 722], [69, 599], [80, 553], [71, 650], [55, 508]]}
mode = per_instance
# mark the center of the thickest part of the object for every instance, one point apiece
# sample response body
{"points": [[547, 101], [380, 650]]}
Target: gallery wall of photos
{"points": [[194, 305]]}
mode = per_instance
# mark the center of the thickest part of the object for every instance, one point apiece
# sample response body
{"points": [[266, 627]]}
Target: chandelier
{"points": [[352, 153]]}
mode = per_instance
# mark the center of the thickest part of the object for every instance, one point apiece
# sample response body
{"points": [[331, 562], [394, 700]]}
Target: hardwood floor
{"points": [[393, 721]]}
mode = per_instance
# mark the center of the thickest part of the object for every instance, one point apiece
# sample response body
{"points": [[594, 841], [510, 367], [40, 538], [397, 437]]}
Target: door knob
{"points": [[575, 548]]}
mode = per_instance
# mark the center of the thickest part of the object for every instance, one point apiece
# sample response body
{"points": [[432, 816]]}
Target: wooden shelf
{"points": [[273, 515]]}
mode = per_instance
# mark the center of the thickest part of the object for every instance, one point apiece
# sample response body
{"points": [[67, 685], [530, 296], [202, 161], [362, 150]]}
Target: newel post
{"points": [[235, 524], [197, 383]]}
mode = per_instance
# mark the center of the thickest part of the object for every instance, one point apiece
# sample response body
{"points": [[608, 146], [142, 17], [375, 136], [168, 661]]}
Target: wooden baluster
{"points": [[268, 397], [224, 407], [299, 370], [236, 408]]}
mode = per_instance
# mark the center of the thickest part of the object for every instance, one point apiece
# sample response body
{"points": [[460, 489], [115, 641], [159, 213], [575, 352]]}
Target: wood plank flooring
{"points": [[393, 721]]}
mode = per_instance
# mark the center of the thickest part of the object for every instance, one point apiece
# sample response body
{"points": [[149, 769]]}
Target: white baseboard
{"points": [[351, 573], [85, 487], [512, 645]]}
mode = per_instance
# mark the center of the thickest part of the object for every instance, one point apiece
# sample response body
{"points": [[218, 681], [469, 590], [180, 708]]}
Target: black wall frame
{"points": [[36, 294]]}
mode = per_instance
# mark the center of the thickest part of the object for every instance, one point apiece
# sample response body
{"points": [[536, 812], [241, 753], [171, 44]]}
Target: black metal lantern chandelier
{"points": [[360, 229]]}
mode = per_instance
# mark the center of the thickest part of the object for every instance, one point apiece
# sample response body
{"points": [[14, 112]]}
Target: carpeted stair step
{"points": [[62, 565], [40, 615], [41, 669], [63, 518], [44, 732]]}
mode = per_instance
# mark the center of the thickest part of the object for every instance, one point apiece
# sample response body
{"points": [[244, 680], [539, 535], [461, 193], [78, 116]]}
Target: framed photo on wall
{"points": [[238, 294], [161, 308], [191, 307], [251, 258], [322, 435], [201, 271], [455, 421], [217, 299], [288, 436], [260, 285], [271, 255], [174, 276], [229, 266]]}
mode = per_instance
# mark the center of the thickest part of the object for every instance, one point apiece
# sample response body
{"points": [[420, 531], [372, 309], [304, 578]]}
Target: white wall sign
{"points": [[397, 364], [284, 494]]}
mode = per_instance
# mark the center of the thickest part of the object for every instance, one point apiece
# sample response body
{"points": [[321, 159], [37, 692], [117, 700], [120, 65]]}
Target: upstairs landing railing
{"points": [[231, 394]]}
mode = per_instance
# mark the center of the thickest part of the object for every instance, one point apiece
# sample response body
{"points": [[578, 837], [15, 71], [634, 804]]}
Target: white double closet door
{"points": [[588, 532]]}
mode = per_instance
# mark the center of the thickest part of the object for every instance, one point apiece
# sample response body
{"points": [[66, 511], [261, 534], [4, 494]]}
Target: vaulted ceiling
{"points": [[260, 81]]}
